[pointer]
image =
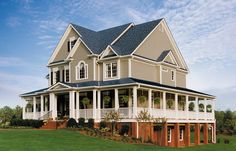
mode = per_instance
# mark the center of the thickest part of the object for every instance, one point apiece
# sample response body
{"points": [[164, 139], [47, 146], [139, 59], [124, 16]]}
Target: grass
{"points": [[60, 140]]}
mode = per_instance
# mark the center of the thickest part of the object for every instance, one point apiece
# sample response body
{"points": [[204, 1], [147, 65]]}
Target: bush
{"points": [[91, 123], [124, 130], [81, 122], [226, 141], [28, 123], [103, 124], [72, 123]]}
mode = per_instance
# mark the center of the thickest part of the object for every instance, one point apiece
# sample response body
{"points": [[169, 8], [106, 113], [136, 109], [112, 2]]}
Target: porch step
{"points": [[50, 124]]}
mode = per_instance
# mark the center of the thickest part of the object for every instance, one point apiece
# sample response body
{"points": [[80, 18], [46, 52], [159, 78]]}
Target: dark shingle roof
{"points": [[120, 82], [163, 55], [97, 41]]}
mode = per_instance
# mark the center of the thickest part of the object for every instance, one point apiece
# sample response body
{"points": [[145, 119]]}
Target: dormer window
{"points": [[111, 70], [71, 43], [81, 71]]}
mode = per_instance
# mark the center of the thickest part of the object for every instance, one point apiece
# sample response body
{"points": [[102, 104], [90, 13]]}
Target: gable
{"points": [[61, 51], [157, 42], [109, 52], [167, 57], [59, 86]]}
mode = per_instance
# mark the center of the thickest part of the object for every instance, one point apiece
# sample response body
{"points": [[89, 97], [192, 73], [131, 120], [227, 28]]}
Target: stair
{"points": [[53, 125]]}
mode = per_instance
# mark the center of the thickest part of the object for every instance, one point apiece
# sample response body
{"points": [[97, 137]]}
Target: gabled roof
{"points": [[97, 41], [163, 55]]}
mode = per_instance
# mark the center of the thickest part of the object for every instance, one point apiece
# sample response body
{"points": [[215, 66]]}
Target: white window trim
{"points": [[66, 68], [169, 129], [77, 72], [105, 78], [181, 137]]}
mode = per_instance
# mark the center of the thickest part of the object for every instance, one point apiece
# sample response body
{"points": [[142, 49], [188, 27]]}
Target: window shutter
{"points": [[51, 78], [68, 46], [63, 75]]}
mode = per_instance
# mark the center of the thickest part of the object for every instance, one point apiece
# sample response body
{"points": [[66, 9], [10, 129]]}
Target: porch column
{"points": [[176, 126], [186, 106], [72, 104], [135, 101], [53, 105], [94, 103], [34, 107], [77, 116], [176, 103], [196, 106], [197, 134], [187, 134], [150, 101], [164, 103], [116, 99], [42, 105], [99, 105]]}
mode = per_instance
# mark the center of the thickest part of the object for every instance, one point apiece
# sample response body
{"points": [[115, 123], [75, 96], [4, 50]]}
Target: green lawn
{"points": [[43, 140]]}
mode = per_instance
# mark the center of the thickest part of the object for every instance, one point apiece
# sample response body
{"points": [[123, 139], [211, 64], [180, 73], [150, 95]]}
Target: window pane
{"points": [[108, 70], [114, 69]]}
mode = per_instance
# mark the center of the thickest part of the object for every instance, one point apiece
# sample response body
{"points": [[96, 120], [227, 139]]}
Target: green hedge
{"points": [[28, 123]]}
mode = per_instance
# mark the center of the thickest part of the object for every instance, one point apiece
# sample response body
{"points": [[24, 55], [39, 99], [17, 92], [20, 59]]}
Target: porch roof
{"points": [[123, 81]]}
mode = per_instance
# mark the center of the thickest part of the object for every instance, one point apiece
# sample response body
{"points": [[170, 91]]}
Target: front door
{"points": [[62, 105]]}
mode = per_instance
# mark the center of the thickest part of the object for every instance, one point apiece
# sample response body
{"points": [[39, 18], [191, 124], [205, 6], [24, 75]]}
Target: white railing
{"points": [[125, 112], [86, 113], [158, 113], [30, 115], [105, 111]]}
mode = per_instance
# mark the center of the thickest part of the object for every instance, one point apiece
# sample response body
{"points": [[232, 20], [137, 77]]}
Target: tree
{"points": [[191, 106], [112, 117], [6, 113], [143, 116], [17, 111], [106, 99], [201, 107]]}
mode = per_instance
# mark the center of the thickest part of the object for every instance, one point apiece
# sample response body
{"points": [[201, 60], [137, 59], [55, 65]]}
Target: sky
{"points": [[204, 31]]}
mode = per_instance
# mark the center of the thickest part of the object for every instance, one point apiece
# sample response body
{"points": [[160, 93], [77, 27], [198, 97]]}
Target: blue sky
{"points": [[204, 31]]}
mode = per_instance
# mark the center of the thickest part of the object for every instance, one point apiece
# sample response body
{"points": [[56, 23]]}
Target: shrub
{"points": [[90, 123], [124, 130], [226, 141], [72, 123], [103, 124], [28, 123], [81, 122], [191, 106]]}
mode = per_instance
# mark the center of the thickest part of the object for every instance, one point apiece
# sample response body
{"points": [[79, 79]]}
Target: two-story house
{"points": [[128, 69]]}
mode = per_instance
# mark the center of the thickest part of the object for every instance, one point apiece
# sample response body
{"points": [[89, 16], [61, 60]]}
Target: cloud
{"points": [[11, 61]]}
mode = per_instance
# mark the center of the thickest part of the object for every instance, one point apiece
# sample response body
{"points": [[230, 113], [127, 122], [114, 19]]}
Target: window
{"points": [[51, 78], [111, 70], [173, 75], [169, 135], [82, 71], [181, 134], [71, 43], [57, 76]]}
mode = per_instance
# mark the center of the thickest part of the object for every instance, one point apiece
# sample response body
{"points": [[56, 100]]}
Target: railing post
{"points": [[205, 109], [42, 105], [34, 107], [71, 104], [53, 105], [23, 108], [186, 107], [116, 99], [94, 103], [176, 105], [135, 101]]}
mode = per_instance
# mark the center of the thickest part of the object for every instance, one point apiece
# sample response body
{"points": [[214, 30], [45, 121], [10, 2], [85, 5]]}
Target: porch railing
{"points": [[86, 113], [46, 116]]}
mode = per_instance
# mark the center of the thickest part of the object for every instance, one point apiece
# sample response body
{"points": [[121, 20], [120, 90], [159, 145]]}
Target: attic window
{"points": [[172, 75], [71, 43]]}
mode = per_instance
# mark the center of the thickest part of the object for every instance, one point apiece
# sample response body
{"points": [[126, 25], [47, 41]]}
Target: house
{"points": [[128, 69]]}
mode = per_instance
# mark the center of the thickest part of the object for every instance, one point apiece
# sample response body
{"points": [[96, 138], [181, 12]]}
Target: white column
{"points": [[34, 107], [53, 105], [196, 107], [94, 103], [186, 106], [135, 101], [205, 104], [150, 101], [164, 103], [99, 105], [176, 102], [72, 104], [116, 99], [77, 106], [42, 105]]}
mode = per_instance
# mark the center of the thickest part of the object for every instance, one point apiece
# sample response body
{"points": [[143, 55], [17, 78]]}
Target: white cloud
{"points": [[11, 61], [13, 21]]}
